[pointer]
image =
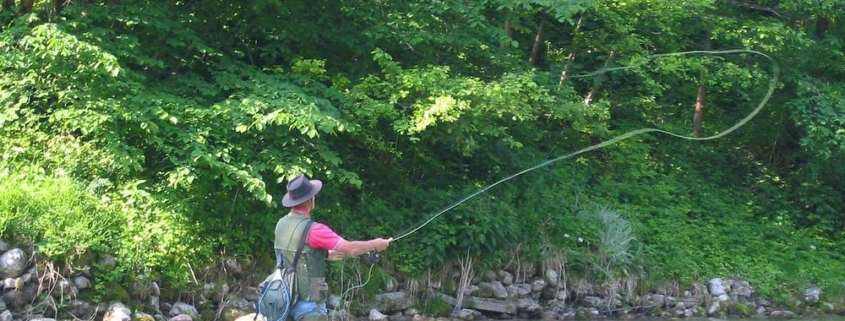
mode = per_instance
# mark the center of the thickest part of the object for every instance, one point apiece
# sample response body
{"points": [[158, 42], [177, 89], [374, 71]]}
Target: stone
{"points": [[107, 262], [375, 315], [493, 289], [812, 295], [505, 277], [6, 316], [551, 277], [392, 302], [717, 287], [118, 312], [12, 263], [182, 317], [538, 285], [183, 308], [81, 309], [466, 314], [81, 282]]}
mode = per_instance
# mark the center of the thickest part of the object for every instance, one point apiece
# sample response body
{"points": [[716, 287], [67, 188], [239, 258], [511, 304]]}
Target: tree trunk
{"points": [[699, 107], [9, 5], [599, 79], [26, 7], [571, 56], [58, 5], [538, 40], [821, 27], [508, 32], [698, 114]]}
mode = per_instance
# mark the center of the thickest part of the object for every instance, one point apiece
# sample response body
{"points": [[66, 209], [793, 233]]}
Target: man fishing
{"points": [[322, 244]]}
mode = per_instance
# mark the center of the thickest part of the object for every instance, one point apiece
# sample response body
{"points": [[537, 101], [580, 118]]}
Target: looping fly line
{"points": [[763, 102]]}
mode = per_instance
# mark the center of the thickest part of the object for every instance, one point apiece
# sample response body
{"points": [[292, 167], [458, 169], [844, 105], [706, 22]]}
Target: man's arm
{"points": [[354, 248]]}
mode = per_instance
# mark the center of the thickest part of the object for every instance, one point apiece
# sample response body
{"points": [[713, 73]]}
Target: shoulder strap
{"points": [[302, 243], [280, 258]]}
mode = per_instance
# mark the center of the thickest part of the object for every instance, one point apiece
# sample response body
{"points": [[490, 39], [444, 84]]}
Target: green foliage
{"points": [[56, 214], [169, 128]]}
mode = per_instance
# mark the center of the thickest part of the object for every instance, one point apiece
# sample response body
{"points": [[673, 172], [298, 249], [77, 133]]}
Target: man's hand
{"points": [[381, 244], [336, 255]]}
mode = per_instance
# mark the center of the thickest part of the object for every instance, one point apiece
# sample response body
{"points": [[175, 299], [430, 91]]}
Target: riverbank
{"points": [[37, 289]]}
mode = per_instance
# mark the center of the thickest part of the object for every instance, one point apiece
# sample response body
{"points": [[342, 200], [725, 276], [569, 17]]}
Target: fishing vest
{"points": [[311, 268]]}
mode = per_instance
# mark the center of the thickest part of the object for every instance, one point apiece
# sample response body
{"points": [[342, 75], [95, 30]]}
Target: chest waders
{"points": [[311, 269]]}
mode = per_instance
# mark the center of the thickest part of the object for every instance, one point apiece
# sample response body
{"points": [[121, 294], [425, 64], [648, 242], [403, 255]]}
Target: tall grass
{"points": [[54, 214]]}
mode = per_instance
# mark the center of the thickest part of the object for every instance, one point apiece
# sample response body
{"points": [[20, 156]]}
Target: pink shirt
{"points": [[322, 237]]}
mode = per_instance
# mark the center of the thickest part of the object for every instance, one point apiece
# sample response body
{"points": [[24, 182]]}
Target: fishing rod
{"points": [[374, 256]]}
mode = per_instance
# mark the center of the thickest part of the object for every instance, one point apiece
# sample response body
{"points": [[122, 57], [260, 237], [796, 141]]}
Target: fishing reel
{"points": [[373, 257]]}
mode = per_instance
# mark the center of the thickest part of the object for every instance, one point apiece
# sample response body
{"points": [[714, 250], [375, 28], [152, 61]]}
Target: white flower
{"points": [[812, 247], [580, 240], [566, 235]]}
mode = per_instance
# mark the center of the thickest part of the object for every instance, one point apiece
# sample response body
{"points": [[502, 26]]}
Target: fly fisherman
{"points": [[322, 244]]}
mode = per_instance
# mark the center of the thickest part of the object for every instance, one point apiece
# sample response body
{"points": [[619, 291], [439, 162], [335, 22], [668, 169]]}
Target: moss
{"points": [[207, 315], [656, 311], [115, 292], [742, 309], [143, 317]]}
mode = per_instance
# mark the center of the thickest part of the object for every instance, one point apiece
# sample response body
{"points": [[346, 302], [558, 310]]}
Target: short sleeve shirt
{"points": [[323, 237]]}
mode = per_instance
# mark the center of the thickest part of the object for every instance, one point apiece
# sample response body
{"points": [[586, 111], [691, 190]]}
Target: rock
{"points": [[743, 289], [717, 287], [528, 305], [233, 266], [21, 297], [398, 316], [493, 289], [118, 312], [783, 314], [183, 308], [548, 316], [81, 282], [3, 247], [6, 316], [466, 314], [64, 289], [140, 316], [12, 263], [505, 277], [562, 295], [252, 294], [390, 285], [250, 317], [182, 317], [375, 315], [551, 277], [714, 308], [538, 285], [489, 276], [392, 302], [339, 315], [812, 295], [81, 309], [239, 304], [107, 262]]}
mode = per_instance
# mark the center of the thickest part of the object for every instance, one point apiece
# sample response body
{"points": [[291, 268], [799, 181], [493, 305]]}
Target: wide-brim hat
{"points": [[301, 189]]}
